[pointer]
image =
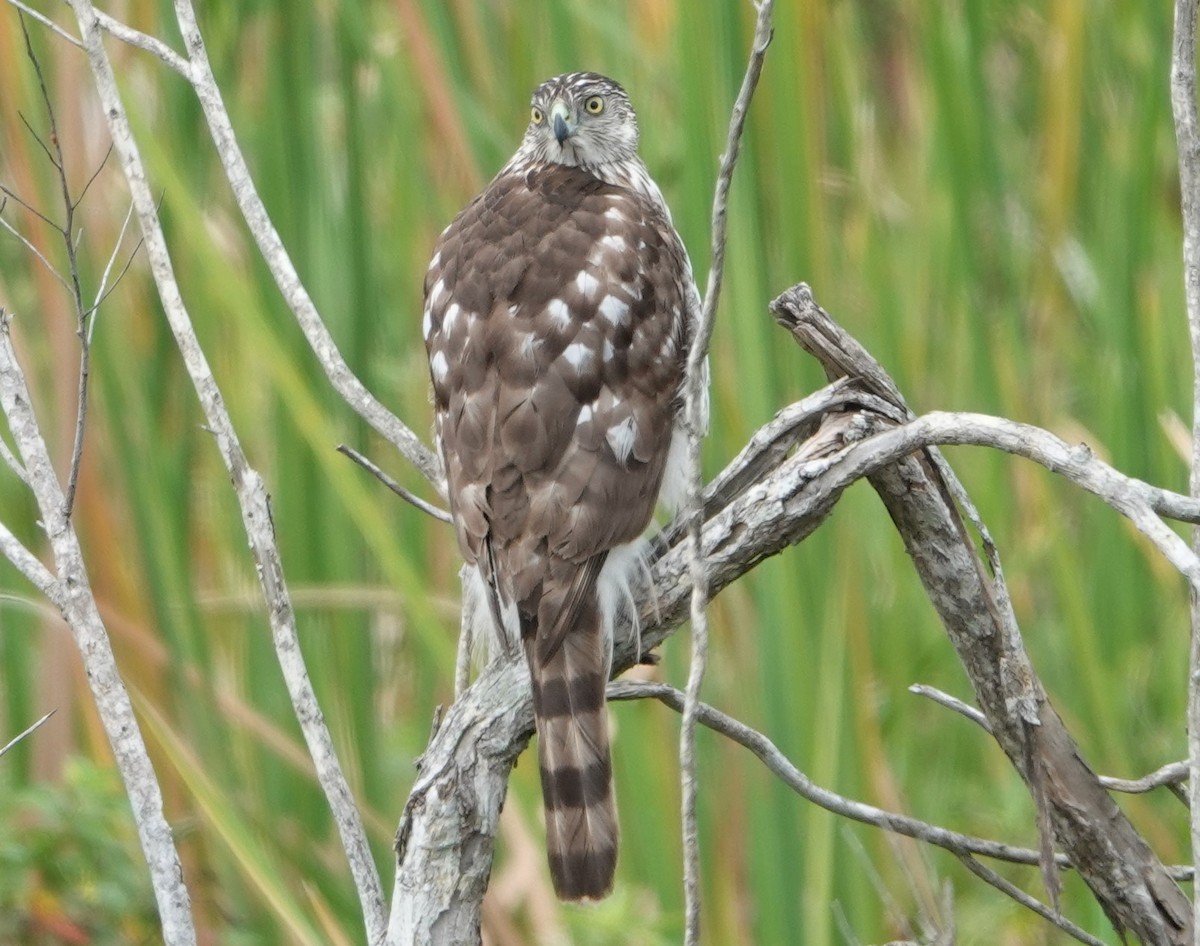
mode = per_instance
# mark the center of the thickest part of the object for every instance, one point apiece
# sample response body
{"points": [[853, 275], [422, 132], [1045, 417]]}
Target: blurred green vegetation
{"points": [[984, 193], [70, 867]]}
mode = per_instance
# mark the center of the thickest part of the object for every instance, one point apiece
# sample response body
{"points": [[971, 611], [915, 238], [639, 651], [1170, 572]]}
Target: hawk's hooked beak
{"points": [[560, 120]]}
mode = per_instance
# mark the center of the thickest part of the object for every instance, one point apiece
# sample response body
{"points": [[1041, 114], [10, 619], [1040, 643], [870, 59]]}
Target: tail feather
{"points": [[573, 755]]}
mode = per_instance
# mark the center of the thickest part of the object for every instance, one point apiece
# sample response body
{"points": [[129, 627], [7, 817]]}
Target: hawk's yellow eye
{"points": [[595, 105], [537, 115]]}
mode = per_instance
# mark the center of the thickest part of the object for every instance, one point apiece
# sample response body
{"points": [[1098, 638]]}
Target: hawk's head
{"points": [[581, 119]]}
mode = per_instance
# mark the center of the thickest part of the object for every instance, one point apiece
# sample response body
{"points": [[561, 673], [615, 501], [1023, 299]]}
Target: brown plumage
{"points": [[558, 308]]}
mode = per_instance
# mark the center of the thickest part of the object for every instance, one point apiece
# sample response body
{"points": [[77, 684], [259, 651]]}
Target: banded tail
{"points": [[569, 671]]}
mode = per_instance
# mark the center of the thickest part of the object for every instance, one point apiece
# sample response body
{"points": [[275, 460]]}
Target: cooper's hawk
{"points": [[559, 306]]}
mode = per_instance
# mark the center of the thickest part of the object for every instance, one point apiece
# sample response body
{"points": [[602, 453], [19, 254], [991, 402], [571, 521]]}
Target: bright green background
{"points": [[984, 193]]}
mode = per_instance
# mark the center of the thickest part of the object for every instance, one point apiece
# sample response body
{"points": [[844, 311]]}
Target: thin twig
{"points": [[156, 47], [71, 593], [47, 22], [1167, 776], [1170, 776], [408, 496], [104, 290], [12, 742], [67, 232], [29, 246], [27, 563], [7, 192], [696, 414], [1187, 138], [95, 174], [10, 458], [248, 484], [779, 764], [989, 876], [275, 255], [953, 703], [36, 137]]}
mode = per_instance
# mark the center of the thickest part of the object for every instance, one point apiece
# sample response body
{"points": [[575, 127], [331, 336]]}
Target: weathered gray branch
{"points": [[1122, 871], [1169, 776], [461, 784], [24, 560], [464, 772], [964, 846], [1187, 139], [768, 499], [71, 592], [696, 416], [248, 486], [27, 731], [275, 254]]}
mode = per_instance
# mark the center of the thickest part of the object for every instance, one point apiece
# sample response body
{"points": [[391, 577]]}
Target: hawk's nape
{"points": [[559, 306]]}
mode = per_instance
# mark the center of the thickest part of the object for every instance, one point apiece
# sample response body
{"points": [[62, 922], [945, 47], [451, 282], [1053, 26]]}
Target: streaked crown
{"points": [[581, 119]]}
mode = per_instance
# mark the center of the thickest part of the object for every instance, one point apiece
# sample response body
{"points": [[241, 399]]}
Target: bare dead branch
{"points": [[407, 495], [249, 488], [1187, 139], [275, 254], [104, 290], [12, 742], [771, 443], [952, 703], [802, 785], [696, 416], [1170, 776], [1135, 890], [8, 456], [156, 47], [26, 562], [1167, 776], [46, 22], [74, 283], [71, 593], [989, 876], [28, 245], [965, 847]]}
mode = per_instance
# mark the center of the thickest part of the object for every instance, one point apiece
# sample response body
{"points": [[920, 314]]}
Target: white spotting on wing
{"points": [[614, 310], [587, 284], [577, 354], [559, 313], [438, 290], [439, 365]]}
